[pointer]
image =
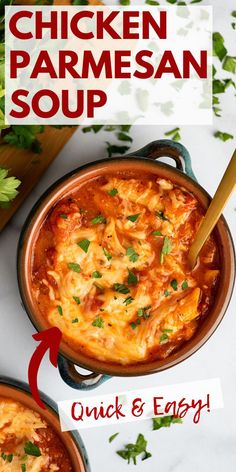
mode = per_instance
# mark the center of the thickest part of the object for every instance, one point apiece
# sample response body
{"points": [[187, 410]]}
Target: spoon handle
{"points": [[214, 211]]}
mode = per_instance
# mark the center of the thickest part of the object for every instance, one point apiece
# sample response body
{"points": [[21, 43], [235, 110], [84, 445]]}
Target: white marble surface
{"points": [[211, 444]]}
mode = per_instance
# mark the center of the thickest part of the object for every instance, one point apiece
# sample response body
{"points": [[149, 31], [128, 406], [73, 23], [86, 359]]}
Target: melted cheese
{"points": [[19, 425], [155, 314]]}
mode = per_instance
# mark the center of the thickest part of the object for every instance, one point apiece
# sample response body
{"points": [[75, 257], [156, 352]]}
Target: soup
{"points": [[110, 268], [28, 443]]}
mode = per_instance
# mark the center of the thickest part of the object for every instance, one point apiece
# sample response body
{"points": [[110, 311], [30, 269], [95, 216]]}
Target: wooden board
{"points": [[29, 167]]}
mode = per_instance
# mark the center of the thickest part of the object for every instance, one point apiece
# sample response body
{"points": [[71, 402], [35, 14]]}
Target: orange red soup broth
{"points": [[28, 443], [110, 268]]}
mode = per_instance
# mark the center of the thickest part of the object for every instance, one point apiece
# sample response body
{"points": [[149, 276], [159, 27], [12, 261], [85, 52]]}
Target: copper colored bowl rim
{"points": [[19, 391], [225, 245]]}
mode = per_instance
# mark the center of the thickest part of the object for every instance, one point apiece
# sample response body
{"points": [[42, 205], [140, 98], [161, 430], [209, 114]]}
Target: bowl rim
{"points": [[102, 367], [71, 440]]}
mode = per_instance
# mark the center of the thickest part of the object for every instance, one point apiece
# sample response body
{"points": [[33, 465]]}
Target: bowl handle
{"points": [[167, 148], [76, 380]]}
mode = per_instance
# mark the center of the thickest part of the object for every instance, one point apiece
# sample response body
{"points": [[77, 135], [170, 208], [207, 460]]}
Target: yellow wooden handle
{"points": [[214, 211]]}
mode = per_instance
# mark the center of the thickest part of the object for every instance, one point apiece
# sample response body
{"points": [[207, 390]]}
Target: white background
{"points": [[210, 445]]}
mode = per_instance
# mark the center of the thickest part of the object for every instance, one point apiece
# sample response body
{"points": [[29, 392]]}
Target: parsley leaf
{"points": [[77, 300], [184, 285], [63, 216], [219, 49], [111, 438], [96, 274], [24, 137], [166, 293], [113, 192], [107, 254], [132, 254], [75, 320], [164, 422], [152, 2], [124, 137], [98, 322], [94, 128], [84, 244], [98, 219], [23, 467], [8, 186], [157, 233], [60, 311], [133, 218], [223, 136], [115, 149], [131, 451], [128, 300], [161, 215], [174, 134], [74, 266], [230, 64], [32, 449], [132, 278], [164, 338], [121, 288], [166, 248], [174, 284]]}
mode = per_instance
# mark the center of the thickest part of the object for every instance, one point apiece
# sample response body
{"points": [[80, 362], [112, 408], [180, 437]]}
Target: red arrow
{"points": [[50, 340]]}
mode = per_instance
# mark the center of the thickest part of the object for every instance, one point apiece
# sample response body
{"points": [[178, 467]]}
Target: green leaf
{"points": [[131, 451], [80, 2], [23, 137], [111, 438], [152, 2], [124, 137], [74, 266], [166, 248], [163, 338], [75, 320], [164, 422], [94, 128], [161, 215], [172, 132], [98, 219], [132, 254], [84, 244], [234, 13], [116, 149], [223, 136], [113, 192], [8, 186], [157, 233], [219, 49], [174, 284], [121, 288], [233, 25], [124, 2], [32, 449], [23, 467], [132, 278], [98, 322], [133, 218], [128, 300], [184, 285], [167, 293], [60, 311], [107, 254], [77, 300], [96, 274], [63, 216], [230, 64]]}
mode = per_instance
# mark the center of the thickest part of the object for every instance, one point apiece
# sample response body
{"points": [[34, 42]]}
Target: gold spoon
{"points": [[214, 211]]}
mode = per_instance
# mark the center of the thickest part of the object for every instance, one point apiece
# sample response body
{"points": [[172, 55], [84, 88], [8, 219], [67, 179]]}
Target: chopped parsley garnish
{"points": [[60, 311], [166, 293], [98, 322], [157, 233], [161, 215], [75, 320], [164, 338], [77, 300], [74, 266], [84, 244], [133, 218], [128, 300], [113, 192], [7, 457], [107, 254], [8, 185], [96, 274], [121, 288], [174, 134], [63, 216], [184, 285], [131, 451], [98, 219], [174, 284], [219, 49], [166, 248], [143, 312], [223, 136], [111, 438], [132, 254], [132, 278], [32, 449], [23, 467], [164, 422]]}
